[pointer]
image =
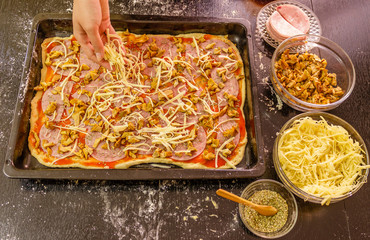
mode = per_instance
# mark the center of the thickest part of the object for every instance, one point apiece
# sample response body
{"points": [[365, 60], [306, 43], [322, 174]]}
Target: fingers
{"points": [[104, 4], [89, 51], [96, 42], [106, 64], [91, 20], [88, 48], [81, 36]]}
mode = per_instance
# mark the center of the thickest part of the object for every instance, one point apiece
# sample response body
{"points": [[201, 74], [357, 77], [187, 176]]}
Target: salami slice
{"points": [[231, 87], [175, 92], [180, 88], [83, 96], [52, 136], [217, 44], [91, 87], [138, 48], [167, 45], [170, 51], [190, 76], [199, 143], [153, 97], [147, 144], [49, 98], [120, 100], [215, 76], [190, 50], [190, 53], [226, 126], [222, 138], [64, 49], [149, 71], [104, 155], [190, 119], [145, 115], [88, 62], [107, 113]]}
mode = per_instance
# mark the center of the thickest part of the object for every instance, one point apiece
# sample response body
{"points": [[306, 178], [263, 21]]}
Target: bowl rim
{"points": [[294, 210], [303, 104], [296, 190]]}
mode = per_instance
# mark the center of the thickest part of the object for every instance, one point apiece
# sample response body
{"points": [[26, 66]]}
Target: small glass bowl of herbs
{"points": [[272, 193]]}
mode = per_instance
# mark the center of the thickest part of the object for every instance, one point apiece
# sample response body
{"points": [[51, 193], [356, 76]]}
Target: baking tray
{"points": [[20, 163]]}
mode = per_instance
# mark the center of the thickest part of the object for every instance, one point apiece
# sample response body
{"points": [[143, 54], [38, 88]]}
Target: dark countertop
{"points": [[58, 209]]}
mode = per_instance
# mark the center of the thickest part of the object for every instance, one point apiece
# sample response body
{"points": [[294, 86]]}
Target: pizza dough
{"points": [[169, 99]]}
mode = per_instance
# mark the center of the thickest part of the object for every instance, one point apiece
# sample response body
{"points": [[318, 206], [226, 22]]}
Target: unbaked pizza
{"points": [[166, 99]]}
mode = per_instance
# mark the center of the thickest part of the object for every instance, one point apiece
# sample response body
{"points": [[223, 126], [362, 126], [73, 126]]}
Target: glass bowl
{"points": [[338, 62], [267, 184], [331, 119]]}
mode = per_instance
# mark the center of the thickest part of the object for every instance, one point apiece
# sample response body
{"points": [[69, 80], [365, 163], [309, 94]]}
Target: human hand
{"points": [[91, 20]]}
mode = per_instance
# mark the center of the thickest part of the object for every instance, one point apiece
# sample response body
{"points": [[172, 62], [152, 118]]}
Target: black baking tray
{"points": [[20, 163]]}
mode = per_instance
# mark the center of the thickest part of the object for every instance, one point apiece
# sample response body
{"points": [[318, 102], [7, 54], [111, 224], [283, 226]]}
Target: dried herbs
{"points": [[267, 223]]}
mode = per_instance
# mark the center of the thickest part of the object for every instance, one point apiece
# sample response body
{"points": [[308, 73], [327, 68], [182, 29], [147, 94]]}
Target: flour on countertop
{"points": [[265, 80], [12, 62], [260, 56], [174, 8], [142, 223], [153, 7], [275, 103], [262, 67]]}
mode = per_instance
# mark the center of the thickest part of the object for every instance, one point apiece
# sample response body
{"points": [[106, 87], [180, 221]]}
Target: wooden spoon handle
{"points": [[233, 197]]}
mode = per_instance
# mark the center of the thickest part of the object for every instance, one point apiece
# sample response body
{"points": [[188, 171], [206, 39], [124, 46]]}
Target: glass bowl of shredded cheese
{"points": [[312, 73], [320, 158], [272, 193]]}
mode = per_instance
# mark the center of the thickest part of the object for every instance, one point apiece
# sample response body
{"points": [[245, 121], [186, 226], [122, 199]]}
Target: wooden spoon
{"points": [[261, 209]]}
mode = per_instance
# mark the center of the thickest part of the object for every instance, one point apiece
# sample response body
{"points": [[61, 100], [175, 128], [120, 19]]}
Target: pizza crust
{"points": [[38, 118]]}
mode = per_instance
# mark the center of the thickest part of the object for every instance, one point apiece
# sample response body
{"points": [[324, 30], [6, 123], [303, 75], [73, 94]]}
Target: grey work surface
{"points": [[55, 209]]}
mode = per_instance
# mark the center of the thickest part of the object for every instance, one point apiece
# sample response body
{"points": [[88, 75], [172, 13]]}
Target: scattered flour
{"points": [[140, 224]]}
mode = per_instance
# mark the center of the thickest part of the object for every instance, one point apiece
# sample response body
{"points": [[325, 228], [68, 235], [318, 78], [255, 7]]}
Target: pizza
{"points": [[165, 99]]}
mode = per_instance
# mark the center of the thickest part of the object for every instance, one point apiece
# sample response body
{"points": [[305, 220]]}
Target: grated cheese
{"points": [[321, 159], [220, 148]]}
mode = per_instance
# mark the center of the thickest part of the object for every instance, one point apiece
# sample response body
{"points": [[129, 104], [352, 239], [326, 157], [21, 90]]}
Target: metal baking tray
{"points": [[20, 163]]}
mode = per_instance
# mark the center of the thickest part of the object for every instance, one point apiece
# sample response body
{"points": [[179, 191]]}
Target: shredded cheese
{"points": [[220, 148], [321, 159]]}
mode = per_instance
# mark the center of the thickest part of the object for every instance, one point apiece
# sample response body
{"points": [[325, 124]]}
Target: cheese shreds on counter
{"points": [[321, 159]]}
